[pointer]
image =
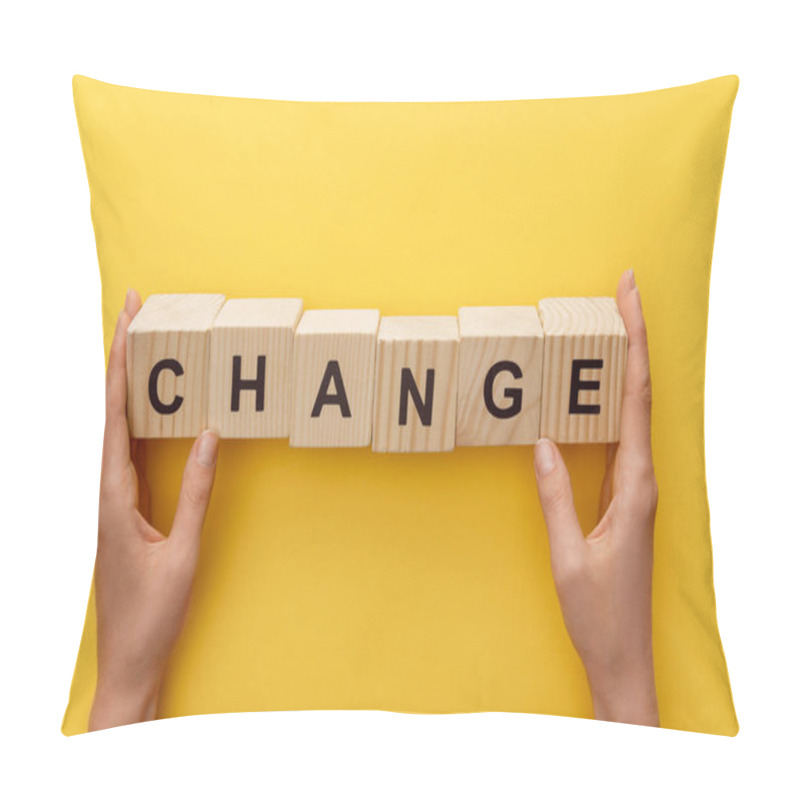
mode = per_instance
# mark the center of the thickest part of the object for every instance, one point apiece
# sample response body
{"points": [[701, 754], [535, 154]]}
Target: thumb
{"points": [[558, 507], [198, 478]]}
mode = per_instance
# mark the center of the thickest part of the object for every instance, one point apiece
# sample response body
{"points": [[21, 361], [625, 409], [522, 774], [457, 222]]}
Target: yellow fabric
{"points": [[416, 583]]}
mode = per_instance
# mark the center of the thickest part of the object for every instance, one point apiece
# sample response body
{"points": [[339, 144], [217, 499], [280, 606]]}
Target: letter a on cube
{"points": [[500, 356], [416, 384], [167, 364], [333, 378], [585, 354], [251, 363]]}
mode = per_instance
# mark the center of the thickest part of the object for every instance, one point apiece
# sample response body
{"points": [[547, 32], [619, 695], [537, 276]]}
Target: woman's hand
{"points": [[604, 580], [142, 579]]}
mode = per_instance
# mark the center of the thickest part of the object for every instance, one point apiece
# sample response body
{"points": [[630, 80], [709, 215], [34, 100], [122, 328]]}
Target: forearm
{"points": [[115, 706], [625, 694]]}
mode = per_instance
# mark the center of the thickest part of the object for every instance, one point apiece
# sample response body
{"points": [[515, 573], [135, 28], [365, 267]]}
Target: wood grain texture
{"points": [[333, 349], [249, 389], [582, 329], [494, 342], [416, 345], [172, 330]]}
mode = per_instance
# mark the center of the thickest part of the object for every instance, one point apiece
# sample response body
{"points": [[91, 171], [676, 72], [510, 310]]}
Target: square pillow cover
{"points": [[348, 579]]}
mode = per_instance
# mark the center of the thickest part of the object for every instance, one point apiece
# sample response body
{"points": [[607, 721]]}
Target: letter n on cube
{"points": [[416, 384]]}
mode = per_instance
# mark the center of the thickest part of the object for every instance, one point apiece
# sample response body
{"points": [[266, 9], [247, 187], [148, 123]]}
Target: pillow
{"points": [[354, 580]]}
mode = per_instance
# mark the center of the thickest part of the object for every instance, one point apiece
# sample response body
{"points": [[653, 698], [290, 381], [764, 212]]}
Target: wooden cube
{"points": [[500, 357], [167, 364], [585, 353], [249, 389], [333, 378], [416, 384]]}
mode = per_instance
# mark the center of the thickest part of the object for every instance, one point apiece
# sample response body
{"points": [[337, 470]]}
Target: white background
{"points": [[52, 398]]}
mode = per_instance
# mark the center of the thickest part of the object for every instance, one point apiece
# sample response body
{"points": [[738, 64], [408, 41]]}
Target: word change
{"points": [[265, 368]]}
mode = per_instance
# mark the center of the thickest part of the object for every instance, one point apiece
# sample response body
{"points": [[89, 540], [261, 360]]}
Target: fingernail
{"points": [[544, 458], [207, 449], [129, 302], [631, 278]]}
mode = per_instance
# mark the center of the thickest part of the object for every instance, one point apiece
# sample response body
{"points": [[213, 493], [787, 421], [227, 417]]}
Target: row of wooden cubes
{"points": [[263, 368]]}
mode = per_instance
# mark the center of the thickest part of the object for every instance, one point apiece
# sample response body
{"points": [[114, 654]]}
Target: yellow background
{"points": [[418, 583]]}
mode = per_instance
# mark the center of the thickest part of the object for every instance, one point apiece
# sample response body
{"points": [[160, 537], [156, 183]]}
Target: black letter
{"points": [[408, 387], [257, 383], [577, 385], [174, 366], [515, 395], [339, 398]]}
